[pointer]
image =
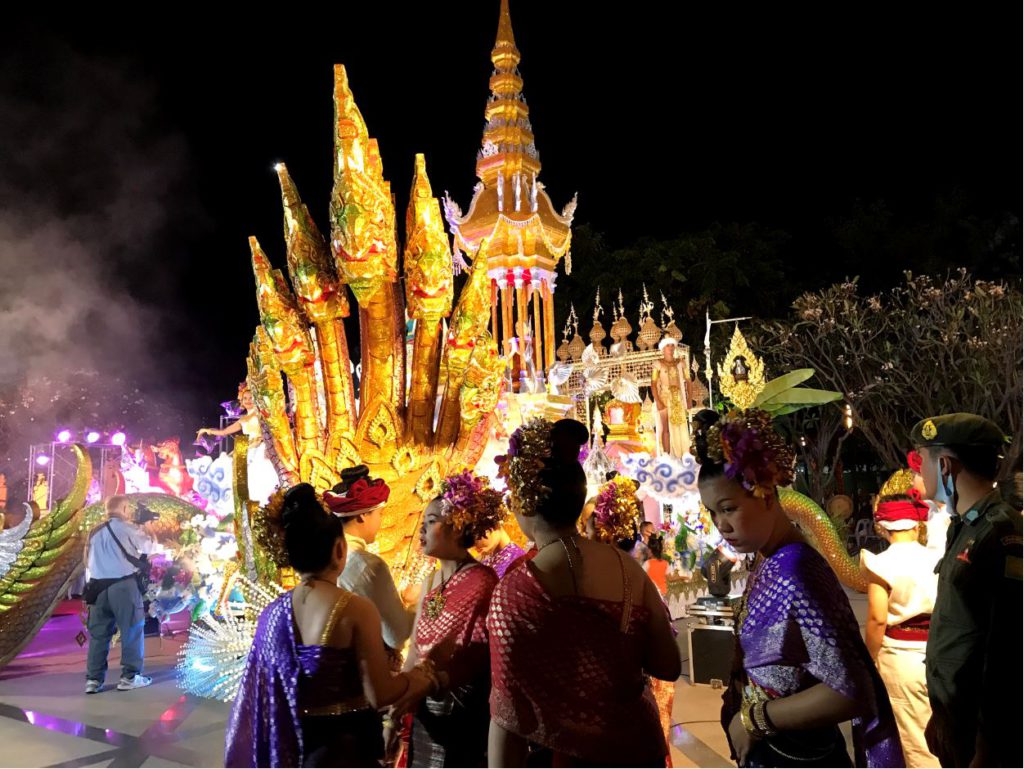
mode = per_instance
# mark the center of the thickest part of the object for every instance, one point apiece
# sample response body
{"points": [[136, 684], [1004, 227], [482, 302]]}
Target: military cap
{"points": [[957, 430]]}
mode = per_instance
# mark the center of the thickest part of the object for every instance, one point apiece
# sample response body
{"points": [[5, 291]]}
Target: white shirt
{"points": [[106, 561], [938, 524], [368, 575], [909, 570]]}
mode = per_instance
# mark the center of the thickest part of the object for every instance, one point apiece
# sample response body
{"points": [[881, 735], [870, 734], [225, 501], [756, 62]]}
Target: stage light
{"points": [[118, 438], [42, 460], [92, 437], [64, 436]]}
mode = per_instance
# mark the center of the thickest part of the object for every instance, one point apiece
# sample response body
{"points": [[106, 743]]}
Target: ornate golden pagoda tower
{"points": [[527, 237]]}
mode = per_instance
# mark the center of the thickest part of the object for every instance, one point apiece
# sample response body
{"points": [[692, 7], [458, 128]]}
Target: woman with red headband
{"points": [[901, 596]]}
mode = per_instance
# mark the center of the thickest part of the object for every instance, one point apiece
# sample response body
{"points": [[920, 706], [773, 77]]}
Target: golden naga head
{"points": [[428, 256], [286, 331], [309, 263], [474, 308], [483, 382], [362, 211]]}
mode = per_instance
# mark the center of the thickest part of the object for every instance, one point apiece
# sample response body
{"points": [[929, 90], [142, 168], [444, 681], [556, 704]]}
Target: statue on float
{"points": [[668, 384]]}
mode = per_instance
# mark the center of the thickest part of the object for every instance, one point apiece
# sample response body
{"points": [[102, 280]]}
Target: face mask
{"points": [[945, 489]]}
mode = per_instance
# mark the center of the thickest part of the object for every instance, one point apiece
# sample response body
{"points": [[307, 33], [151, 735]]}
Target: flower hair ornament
{"points": [[470, 505], [528, 448], [753, 453], [617, 512]]}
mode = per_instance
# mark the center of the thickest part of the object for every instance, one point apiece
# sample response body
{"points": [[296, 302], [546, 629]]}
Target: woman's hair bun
{"points": [[299, 502], [567, 436]]}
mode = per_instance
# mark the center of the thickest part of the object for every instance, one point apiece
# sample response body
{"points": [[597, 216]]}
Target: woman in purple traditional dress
{"points": [[317, 671], [497, 550], [801, 668]]}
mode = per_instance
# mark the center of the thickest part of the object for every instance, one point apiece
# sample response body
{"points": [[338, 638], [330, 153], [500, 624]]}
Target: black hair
{"points": [[310, 532], [982, 461], [657, 545], [563, 475], [349, 476]]}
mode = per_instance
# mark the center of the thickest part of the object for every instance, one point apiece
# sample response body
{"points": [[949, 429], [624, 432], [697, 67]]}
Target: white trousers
{"points": [[902, 670]]}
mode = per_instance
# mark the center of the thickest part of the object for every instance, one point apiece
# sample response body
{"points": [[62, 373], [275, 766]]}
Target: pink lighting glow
{"points": [[92, 437], [118, 439], [64, 436], [42, 460]]}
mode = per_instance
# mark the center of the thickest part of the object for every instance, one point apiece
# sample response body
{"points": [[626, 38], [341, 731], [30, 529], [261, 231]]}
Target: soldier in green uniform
{"points": [[974, 655]]}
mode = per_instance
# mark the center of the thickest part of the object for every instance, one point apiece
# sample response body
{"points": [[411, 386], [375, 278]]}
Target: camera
{"points": [[144, 515]]}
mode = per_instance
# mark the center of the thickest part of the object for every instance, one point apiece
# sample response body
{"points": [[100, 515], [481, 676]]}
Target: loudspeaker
{"points": [[712, 648]]}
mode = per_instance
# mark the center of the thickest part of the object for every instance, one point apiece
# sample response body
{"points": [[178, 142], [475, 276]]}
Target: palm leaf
{"points": [[782, 383]]}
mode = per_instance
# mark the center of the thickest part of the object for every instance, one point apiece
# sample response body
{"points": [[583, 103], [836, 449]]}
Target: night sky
{"points": [[150, 137]]}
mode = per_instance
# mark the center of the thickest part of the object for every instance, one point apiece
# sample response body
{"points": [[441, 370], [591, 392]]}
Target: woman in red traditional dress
{"points": [[449, 727], [574, 630]]}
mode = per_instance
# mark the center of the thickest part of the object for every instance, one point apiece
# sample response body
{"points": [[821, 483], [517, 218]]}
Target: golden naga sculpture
{"points": [[428, 294], [299, 366]]}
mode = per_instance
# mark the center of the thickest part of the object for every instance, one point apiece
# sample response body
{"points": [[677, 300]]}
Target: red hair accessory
{"points": [[362, 497], [901, 510], [914, 461]]}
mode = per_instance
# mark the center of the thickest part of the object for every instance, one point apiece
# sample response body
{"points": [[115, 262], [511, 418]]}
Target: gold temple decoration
{"points": [[597, 332], [741, 373], [512, 210], [650, 334]]}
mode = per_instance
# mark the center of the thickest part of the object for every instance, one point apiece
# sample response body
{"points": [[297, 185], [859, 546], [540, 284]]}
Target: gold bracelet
{"points": [[748, 722], [759, 715]]}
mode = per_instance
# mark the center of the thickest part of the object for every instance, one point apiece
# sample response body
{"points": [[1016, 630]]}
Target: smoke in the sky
{"points": [[87, 186]]}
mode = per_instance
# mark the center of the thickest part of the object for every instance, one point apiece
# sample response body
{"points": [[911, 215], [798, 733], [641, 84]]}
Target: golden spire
{"points": [[508, 143], [505, 53]]}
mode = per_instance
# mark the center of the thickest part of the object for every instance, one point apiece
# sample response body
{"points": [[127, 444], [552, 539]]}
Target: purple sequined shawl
{"points": [[800, 630], [264, 726]]}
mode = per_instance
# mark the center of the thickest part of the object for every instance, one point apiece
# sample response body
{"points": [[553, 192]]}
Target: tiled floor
{"points": [[46, 720]]}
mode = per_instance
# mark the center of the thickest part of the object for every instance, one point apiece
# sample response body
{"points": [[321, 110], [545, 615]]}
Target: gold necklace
{"points": [[434, 604]]}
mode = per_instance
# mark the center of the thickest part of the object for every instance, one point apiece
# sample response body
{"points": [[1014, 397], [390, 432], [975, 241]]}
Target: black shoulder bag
{"points": [[141, 563]]}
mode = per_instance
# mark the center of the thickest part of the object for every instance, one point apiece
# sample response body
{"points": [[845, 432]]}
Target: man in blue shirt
{"points": [[116, 600]]}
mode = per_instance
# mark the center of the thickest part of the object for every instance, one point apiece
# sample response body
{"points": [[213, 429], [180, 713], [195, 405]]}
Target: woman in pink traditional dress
{"points": [[580, 694], [449, 727]]}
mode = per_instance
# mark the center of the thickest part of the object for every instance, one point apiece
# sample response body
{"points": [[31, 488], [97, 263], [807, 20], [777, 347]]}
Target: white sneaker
{"points": [[91, 687], [127, 684]]}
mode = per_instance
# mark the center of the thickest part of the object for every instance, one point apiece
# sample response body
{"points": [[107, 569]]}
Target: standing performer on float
{"points": [[667, 383], [262, 475]]}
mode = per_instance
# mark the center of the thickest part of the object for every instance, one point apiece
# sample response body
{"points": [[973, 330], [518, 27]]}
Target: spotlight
{"points": [[118, 438], [92, 436], [42, 460], [64, 436]]}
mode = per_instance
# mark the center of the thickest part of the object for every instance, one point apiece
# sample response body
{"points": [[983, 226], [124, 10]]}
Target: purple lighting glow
{"points": [[64, 436], [118, 439], [42, 460], [92, 437]]}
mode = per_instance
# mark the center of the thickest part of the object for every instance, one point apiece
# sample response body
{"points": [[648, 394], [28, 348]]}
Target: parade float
{"points": [[442, 377]]}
